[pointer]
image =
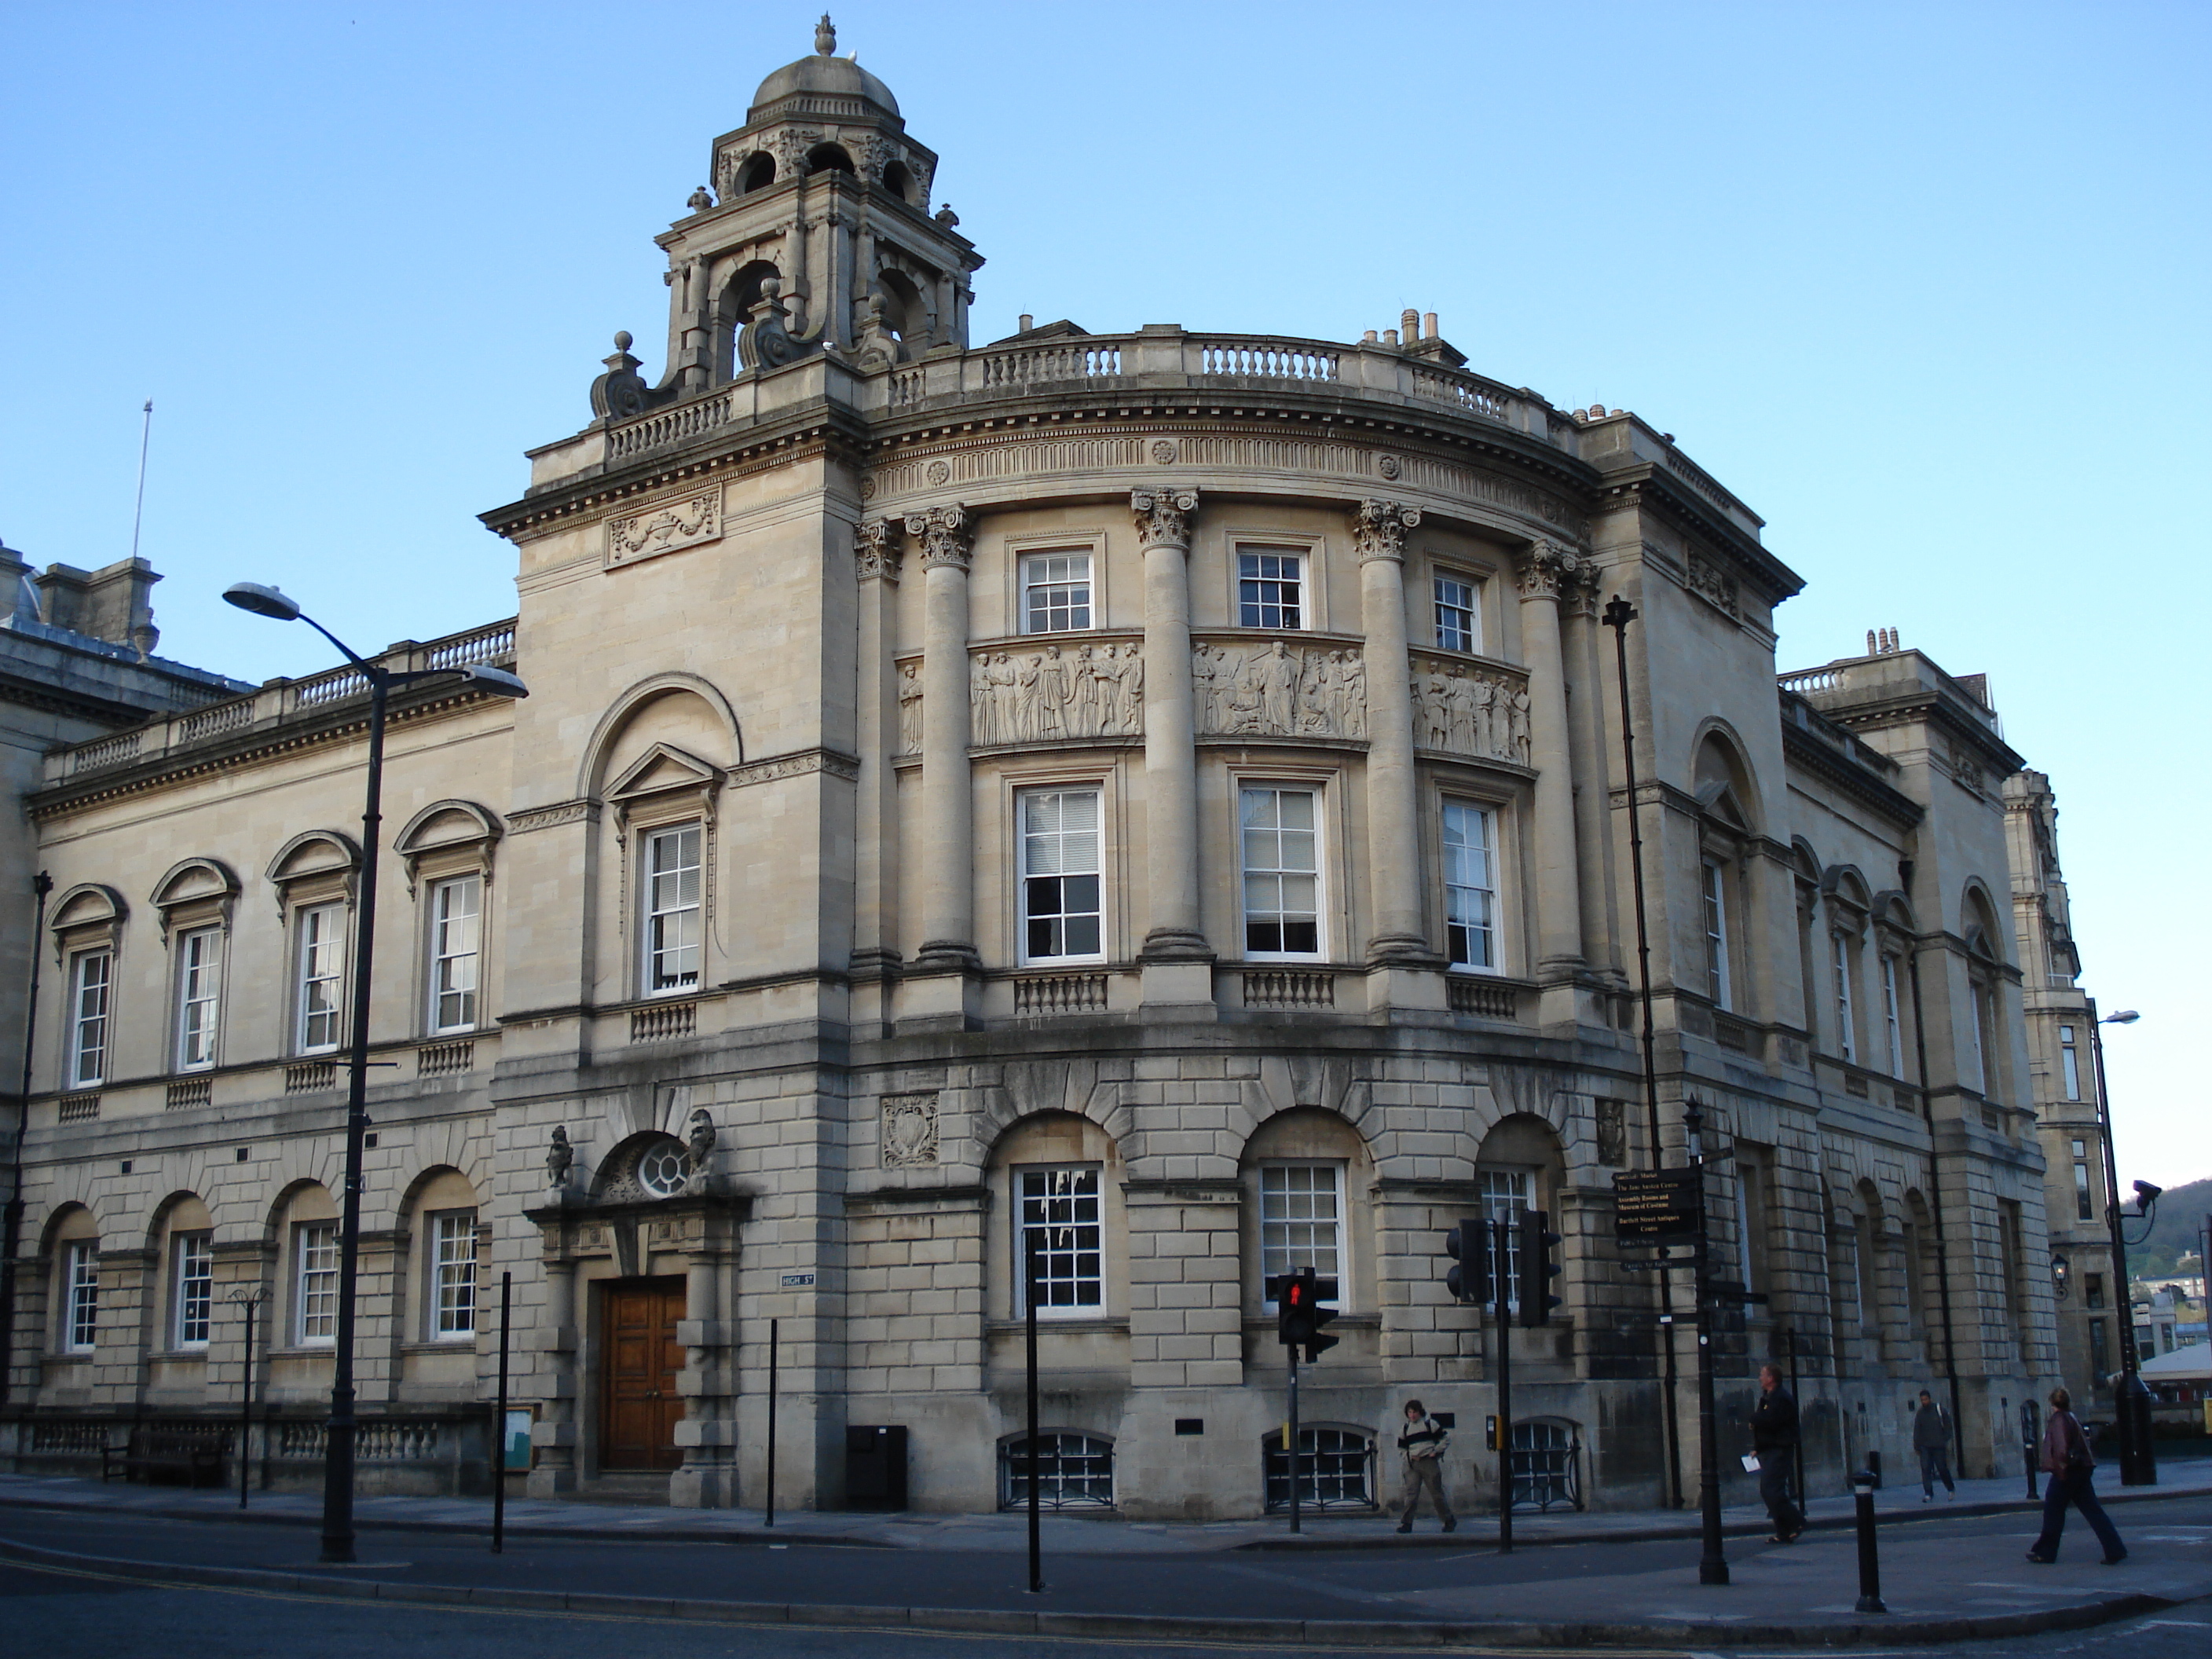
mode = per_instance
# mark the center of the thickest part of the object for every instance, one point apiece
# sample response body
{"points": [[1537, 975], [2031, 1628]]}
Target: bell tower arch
{"points": [[816, 235]]}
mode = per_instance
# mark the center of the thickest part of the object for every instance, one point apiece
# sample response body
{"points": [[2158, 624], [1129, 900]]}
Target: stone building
{"points": [[1157, 795], [2061, 1040]]}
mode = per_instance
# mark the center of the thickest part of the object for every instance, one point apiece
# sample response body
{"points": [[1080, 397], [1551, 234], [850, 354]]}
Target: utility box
{"points": [[875, 1468]]}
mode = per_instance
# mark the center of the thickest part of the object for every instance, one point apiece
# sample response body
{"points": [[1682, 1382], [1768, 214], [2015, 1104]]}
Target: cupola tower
{"points": [[816, 236]]}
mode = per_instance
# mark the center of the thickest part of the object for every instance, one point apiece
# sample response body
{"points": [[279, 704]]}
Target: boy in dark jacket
{"points": [[1774, 1439], [1423, 1444]]}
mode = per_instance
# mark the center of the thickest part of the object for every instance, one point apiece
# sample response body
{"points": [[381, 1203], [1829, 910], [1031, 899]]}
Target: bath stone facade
{"points": [[1153, 795]]}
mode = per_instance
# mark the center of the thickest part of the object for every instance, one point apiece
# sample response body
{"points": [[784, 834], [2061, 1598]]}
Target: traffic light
{"points": [[1300, 1313], [1538, 1269], [1469, 1246]]}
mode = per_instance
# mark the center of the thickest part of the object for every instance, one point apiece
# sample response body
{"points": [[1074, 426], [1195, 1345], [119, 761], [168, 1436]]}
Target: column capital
{"points": [[1163, 516], [947, 536], [1547, 570], [876, 549], [1378, 529]]}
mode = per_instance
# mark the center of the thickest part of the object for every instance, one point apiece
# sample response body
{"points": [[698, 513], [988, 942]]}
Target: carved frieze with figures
{"points": [[1465, 708], [1278, 689]]}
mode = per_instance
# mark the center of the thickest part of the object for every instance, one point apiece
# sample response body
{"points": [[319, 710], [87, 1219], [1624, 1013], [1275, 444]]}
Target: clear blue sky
{"points": [[1926, 284]]}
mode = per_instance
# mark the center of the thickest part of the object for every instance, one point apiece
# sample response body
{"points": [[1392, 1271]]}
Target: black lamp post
{"points": [[1712, 1559], [339, 1448], [2131, 1399]]}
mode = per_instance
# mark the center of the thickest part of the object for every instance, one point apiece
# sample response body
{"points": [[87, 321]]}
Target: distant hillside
{"points": [[2180, 1213]]}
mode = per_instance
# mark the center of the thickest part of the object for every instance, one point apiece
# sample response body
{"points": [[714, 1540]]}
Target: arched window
{"points": [[1074, 1471], [758, 174], [830, 158], [311, 1241], [1336, 1468], [1058, 1177], [1520, 1164], [1548, 1454], [1306, 1173], [185, 1248], [74, 1245], [899, 181]]}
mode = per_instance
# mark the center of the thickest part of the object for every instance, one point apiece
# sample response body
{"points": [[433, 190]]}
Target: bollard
{"points": [[1862, 1485]]}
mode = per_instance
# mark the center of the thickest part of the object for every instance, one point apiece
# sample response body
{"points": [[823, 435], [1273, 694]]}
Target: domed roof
{"points": [[824, 72]]}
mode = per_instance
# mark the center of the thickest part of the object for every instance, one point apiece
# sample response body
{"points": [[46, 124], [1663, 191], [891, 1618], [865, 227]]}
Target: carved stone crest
{"points": [[939, 473], [1388, 466], [665, 529], [1163, 452], [910, 1131]]}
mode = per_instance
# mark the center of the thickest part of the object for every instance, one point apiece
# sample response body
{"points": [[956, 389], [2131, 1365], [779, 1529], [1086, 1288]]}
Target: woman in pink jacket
{"points": [[2069, 1463]]}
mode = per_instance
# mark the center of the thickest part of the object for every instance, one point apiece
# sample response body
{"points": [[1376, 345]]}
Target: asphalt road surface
{"points": [[57, 1614]]}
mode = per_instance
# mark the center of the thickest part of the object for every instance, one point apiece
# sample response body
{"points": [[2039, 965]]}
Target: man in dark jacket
{"points": [[1774, 1439], [1931, 1439]]}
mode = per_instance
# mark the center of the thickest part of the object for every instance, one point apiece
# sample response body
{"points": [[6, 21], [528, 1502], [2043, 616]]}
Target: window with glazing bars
{"points": [[1716, 946], [1457, 619], [1847, 1041], [1892, 1026], [1470, 888], [1507, 1195], [456, 944], [1055, 592], [1073, 1472], [194, 1291], [1270, 590], [672, 909], [199, 997], [1061, 913], [453, 1274], [322, 978], [1062, 1225], [1336, 1470], [81, 1314], [91, 975], [1302, 1220], [316, 1299], [1282, 873]]}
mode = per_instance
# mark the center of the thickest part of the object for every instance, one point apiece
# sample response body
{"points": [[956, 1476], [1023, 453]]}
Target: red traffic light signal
{"points": [[1300, 1310]]}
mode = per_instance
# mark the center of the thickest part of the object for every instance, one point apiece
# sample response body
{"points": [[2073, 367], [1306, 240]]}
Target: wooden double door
{"points": [[639, 1356]]}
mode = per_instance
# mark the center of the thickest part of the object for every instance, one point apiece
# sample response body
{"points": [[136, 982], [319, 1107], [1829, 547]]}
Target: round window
{"points": [[662, 1170]]}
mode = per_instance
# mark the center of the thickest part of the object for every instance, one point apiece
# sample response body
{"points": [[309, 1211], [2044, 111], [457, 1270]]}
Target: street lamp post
{"points": [[1712, 1559], [338, 1447], [2130, 1396]]}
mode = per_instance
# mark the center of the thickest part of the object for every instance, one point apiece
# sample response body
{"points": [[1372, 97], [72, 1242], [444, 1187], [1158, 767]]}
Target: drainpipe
{"points": [[1935, 1179], [11, 1234]]}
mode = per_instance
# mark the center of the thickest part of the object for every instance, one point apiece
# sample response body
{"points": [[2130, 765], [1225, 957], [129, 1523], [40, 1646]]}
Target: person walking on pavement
{"points": [[1931, 1439], [1774, 1439], [1423, 1442], [2069, 1461]]}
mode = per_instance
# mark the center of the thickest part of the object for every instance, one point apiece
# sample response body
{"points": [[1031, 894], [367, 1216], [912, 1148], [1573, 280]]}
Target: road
{"points": [[51, 1613]]}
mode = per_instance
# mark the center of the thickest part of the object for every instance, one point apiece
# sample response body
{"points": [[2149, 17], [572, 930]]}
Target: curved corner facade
{"points": [[1154, 797]]}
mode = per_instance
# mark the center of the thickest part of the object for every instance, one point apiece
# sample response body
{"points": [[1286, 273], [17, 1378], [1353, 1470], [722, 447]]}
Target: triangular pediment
{"points": [[661, 768], [1719, 803]]}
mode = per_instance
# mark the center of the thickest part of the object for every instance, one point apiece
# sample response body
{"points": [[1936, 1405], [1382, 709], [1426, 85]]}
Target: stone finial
{"points": [[945, 216], [699, 200], [825, 36]]}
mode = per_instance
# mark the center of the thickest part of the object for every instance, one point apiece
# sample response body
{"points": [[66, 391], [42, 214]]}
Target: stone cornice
{"points": [[333, 723], [817, 428], [1647, 487], [1801, 749]]}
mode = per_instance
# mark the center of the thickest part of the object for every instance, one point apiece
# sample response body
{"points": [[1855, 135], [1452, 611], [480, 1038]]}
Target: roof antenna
{"points": [[145, 438]]}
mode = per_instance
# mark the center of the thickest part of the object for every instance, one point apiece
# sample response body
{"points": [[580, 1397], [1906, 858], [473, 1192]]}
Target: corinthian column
{"points": [[1545, 570], [875, 875], [947, 537], [1378, 531], [1175, 933]]}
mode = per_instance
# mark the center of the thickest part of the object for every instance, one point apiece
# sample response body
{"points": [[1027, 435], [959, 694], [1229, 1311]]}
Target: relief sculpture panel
{"points": [[1467, 709], [1279, 690], [1062, 691]]}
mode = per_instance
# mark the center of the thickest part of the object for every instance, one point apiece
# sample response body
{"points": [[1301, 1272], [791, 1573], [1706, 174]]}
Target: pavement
{"points": [[1951, 1570]]}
